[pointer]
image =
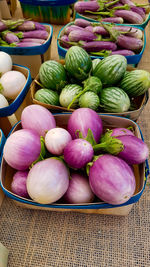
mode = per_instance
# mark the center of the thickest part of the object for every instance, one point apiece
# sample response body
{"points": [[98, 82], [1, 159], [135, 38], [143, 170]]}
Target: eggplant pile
{"points": [[100, 39], [81, 163], [22, 33], [116, 11]]}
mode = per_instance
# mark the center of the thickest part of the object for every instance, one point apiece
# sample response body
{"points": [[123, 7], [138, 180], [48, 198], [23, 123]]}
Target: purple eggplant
{"points": [[89, 28], [139, 10], [72, 28], [128, 2], [38, 34], [82, 23], [10, 37], [129, 31], [33, 40], [123, 52], [129, 16], [129, 43], [97, 46], [3, 26], [27, 44], [30, 25], [113, 20], [64, 41], [80, 35], [135, 150], [9, 24], [97, 30], [82, 7]]}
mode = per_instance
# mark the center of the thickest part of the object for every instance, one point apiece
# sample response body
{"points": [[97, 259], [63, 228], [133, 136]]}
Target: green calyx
{"points": [[110, 145], [1, 87], [42, 153]]}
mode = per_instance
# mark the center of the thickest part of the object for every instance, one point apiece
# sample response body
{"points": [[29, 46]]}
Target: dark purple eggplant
{"points": [[82, 23], [113, 20], [72, 28], [130, 43], [97, 46], [81, 7], [123, 52], [9, 37], [129, 16], [3, 26], [38, 34], [33, 40], [80, 35], [64, 41]]}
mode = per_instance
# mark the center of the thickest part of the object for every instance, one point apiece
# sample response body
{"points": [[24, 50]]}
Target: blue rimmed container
{"points": [[13, 106], [50, 11], [141, 173], [90, 18], [34, 50], [132, 60], [2, 142]]}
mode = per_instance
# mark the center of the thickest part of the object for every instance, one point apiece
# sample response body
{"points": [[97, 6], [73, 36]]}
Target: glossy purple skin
{"points": [[79, 190], [81, 7], [38, 34], [11, 38], [129, 16], [27, 44], [39, 26], [3, 27], [33, 40], [78, 153], [82, 23], [98, 30], [96, 46], [123, 52], [83, 119], [129, 43], [121, 131], [18, 185], [22, 148], [113, 20], [26, 26], [138, 10], [81, 35], [112, 179], [72, 28], [135, 150], [131, 31], [63, 41]]}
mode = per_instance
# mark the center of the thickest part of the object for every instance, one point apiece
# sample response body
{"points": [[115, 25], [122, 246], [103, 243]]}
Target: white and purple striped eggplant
{"points": [[97, 46], [129, 43], [80, 35], [129, 16], [82, 7], [82, 23]]}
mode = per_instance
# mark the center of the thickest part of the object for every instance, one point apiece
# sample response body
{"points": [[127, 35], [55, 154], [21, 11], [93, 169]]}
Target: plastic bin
{"points": [[132, 60], [50, 11], [141, 172]]}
